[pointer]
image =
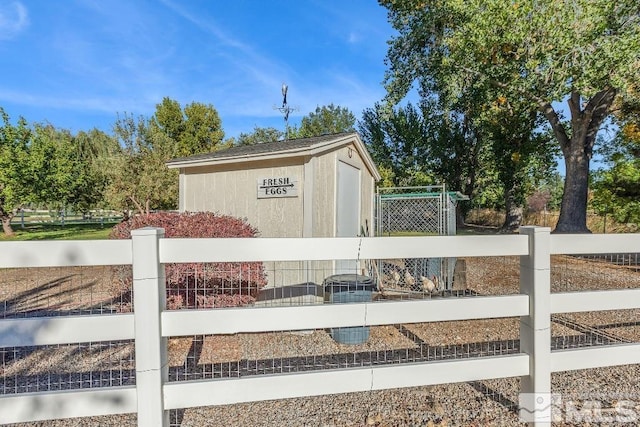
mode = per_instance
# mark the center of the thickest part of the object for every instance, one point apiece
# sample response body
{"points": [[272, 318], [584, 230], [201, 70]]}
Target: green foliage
{"points": [[550, 50], [397, 143], [196, 129], [95, 151], [137, 175], [138, 178], [45, 166], [325, 120], [61, 170], [617, 189], [260, 135], [15, 184], [522, 154], [203, 130], [617, 192], [585, 52]]}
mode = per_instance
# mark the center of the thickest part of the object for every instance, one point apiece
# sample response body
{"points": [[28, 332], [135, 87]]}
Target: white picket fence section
{"points": [[151, 324]]}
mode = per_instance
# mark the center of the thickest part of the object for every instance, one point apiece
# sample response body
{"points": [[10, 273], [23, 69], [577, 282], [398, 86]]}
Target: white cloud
{"points": [[13, 19]]}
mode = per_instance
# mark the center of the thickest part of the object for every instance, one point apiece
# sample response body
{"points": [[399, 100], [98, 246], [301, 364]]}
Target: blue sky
{"points": [[77, 63]]}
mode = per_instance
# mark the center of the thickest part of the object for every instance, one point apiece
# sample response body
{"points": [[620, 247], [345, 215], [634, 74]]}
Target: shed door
{"points": [[347, 210]]}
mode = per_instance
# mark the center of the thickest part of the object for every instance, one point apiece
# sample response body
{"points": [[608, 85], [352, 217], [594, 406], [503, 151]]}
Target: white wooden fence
{"points": [[150, 325]]}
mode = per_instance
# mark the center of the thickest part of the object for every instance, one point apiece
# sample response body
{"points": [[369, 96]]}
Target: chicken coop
{"points": [[307, 187], [417, 211]]}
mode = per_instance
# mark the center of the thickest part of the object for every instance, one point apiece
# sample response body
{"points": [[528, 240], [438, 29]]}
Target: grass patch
{"points": [[44, 231]]}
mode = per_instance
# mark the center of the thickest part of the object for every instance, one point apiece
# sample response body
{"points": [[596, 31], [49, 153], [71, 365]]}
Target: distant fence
{"points": [[29, 217], [151, 324], [595, 222]]}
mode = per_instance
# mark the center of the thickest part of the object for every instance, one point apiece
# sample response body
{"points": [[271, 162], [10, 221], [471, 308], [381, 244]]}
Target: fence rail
{"points": [[151, 324]]}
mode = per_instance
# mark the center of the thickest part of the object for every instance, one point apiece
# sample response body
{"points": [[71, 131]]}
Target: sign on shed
{"points": [[277, 187]]}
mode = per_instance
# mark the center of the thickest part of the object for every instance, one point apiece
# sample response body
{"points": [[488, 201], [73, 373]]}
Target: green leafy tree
{"points": [[196, 129], [521, 152], [617, 189], [260, 135], [64, 168], [325, 120], [55, 167], [583, 52], [138, 178], [15, 184], [397, 142], [96, 149]]}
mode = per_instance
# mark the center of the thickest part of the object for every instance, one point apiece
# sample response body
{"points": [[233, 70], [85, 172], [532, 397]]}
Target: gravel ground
{"points": [[482, 403]]}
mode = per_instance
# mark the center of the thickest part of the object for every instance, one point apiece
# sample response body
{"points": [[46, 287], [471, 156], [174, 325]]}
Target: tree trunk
{"points": [[6, 226], [573, 210], [577, 152], [513, 211], [138, 206]]}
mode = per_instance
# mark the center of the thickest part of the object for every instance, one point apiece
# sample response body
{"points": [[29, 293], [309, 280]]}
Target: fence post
{"points": [[149, 299], [535, 329]]}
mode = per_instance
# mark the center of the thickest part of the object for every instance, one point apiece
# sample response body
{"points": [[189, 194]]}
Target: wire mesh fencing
{"points": [[428, 210], [55, 292], [418, 211], [100, 290]]}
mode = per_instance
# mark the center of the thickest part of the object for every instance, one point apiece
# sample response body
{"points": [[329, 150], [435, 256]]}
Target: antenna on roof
{"points": [[285, 110]]}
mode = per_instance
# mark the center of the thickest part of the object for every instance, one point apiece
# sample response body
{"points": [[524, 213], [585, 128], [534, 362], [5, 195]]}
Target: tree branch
{"points": [[137, 204], [597, 109], [558, 128], [575, 108]]}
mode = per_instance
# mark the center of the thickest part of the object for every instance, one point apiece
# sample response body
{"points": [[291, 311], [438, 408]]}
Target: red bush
{"points": [[198, 285]]}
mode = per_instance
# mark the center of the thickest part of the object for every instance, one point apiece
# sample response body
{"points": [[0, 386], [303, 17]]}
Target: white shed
{"points": [[310, 187]]}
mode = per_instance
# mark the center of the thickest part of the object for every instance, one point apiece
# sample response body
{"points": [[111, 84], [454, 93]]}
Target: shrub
{"points": [[197, 285], [538, 201]]}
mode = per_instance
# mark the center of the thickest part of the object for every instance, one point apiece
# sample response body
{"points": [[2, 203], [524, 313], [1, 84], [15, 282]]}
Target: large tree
{"points": [[54, 167], [327, 119], [260, 135], [582, 52], [425, 145], [520, 152], [195, 129], [95, 151], [138, 178], [397, 143]]}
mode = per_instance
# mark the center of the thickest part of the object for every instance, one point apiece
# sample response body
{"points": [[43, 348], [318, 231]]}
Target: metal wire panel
{"points": [[418, 211]]}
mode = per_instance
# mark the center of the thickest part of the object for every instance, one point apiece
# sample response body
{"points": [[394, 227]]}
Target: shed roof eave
{"points": [[311, 150], [238, 159]]}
